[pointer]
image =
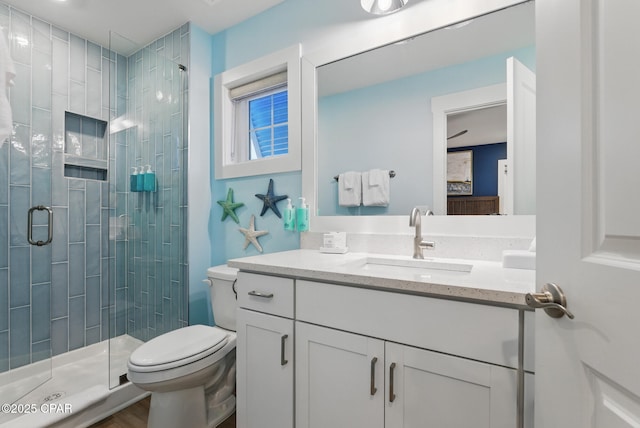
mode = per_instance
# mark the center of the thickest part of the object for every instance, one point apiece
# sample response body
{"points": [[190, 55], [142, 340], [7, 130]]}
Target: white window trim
{"points": [[287, 59]]}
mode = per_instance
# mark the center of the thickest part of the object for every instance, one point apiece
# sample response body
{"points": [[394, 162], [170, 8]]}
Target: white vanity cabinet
{"points": [[345, 379], [382, 359], [373, 358], [265, 366], [339, 378], [425, 388]]}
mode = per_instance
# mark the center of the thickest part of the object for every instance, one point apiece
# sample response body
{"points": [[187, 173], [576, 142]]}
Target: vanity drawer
{"points": [[263, 293], [480, 332]]}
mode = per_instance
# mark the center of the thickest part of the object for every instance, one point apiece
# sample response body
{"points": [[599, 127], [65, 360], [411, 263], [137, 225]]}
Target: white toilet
{"points": [[191, 371]]}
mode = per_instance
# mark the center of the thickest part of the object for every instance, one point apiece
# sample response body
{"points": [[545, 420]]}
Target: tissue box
{"points": [[334, 242], [519, 259]]}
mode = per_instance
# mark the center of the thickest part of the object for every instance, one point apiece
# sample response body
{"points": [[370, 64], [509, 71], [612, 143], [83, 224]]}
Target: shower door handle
{"points": [[30, 225]]}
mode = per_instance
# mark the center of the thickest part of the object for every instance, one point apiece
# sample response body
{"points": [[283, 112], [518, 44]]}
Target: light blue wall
{"points": [[294, 20], [316, 26], [244, 190], [233, 47], [389, 126], [312, 24]]}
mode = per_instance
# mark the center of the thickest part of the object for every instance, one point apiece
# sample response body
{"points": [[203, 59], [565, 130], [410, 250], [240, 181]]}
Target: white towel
{"points": [[7, 72], [375, 188], [377, 177], [350, 189]]}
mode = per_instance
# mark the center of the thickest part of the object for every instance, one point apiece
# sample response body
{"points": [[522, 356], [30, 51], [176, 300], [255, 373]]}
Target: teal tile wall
{"points": [[51, 298], [156, 261]]}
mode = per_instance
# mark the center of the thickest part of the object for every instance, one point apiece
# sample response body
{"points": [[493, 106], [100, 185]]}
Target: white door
{"points": [[521, 138], [430, 389], [504, 192], [265, 370], [588, 368], [339, 379]]}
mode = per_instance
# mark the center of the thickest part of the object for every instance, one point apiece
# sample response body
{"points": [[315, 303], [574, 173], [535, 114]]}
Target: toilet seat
{"points": [[178, 348], [191, 372]]}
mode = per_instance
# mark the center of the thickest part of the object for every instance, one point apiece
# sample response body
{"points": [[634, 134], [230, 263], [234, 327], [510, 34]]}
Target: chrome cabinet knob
{"points": [[552, 299]]}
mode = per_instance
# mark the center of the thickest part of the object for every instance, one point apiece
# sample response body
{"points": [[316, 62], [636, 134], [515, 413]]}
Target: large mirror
{"points": [[406, 106]]}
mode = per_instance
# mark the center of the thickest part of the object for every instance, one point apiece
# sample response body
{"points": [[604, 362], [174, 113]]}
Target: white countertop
{"points": [[488, 282]]}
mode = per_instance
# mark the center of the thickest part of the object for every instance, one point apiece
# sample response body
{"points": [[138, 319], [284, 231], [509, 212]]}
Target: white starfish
{"points": [[251, 234]]}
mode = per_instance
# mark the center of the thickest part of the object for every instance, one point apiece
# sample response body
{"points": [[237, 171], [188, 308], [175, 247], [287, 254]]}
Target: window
{"points": [[257, 116], [268, 125], [261, 119]]}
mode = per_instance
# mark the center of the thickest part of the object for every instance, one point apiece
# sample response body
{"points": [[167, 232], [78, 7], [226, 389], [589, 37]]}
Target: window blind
{"points": [[258, 86]]}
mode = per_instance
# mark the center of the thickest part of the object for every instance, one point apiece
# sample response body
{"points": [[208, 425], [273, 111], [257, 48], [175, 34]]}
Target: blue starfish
{"points": [[270, 200], [229, 207]]}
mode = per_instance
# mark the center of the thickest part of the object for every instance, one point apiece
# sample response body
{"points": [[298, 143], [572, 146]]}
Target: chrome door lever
{"points": [[552, 299]]}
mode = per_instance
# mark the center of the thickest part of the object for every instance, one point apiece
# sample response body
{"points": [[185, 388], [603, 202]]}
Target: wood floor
{"points": [[135, 416]]}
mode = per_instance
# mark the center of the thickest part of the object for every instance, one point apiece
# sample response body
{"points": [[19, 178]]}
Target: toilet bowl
{"points": [[191, 371]]}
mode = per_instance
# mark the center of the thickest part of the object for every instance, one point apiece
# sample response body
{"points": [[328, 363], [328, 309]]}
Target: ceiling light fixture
{"points": [[382, 7]]}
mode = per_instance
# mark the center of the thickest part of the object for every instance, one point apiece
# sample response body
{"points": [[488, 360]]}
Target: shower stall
{"points": [[89, 268]]}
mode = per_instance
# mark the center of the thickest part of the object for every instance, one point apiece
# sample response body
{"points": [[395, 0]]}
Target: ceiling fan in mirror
{"points": [[458, 134]]}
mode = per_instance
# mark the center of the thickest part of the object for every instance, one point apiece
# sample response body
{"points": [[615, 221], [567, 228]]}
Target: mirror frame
{"points": [[424, 17]]}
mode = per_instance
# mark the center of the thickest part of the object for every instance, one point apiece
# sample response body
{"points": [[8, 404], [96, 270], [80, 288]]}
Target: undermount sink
{"points": [[419, 263]]}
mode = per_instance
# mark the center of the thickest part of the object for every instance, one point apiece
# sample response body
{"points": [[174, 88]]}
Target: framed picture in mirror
{"points": [[460, 173]]}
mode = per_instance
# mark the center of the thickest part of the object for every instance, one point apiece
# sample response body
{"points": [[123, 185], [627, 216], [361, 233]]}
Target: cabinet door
{"points": [[339, 379], [264, 370], [437, 390]]}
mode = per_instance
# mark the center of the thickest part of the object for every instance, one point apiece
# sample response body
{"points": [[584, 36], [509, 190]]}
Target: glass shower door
{"points": [[148, 270], [26, 215]]}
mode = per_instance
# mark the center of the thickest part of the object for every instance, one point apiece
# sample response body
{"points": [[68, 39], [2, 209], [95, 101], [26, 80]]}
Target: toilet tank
{"points": [[223, 297]]}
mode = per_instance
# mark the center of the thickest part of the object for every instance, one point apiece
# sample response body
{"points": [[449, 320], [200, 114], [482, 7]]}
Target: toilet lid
{"points": [[178, 345], [223, 272]]}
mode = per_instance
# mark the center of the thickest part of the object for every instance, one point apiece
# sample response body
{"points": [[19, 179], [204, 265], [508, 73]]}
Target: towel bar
{"points": [[392, 174]]}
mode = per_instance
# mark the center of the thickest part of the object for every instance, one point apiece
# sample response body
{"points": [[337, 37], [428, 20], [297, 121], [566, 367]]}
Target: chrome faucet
{"points": [[415, 220]]}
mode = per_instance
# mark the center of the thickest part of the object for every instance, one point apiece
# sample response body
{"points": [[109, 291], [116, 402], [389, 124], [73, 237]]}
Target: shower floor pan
{"points": [[78, 394]]}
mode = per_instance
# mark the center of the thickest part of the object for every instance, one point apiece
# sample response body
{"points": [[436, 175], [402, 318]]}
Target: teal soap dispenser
{"points": [[134, 180], [140, 180], [149, 180], [289, 216], [302, 216]]}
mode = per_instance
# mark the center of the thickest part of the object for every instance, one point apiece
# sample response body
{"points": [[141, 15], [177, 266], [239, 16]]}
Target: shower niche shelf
{"points": [[85, 147]]}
